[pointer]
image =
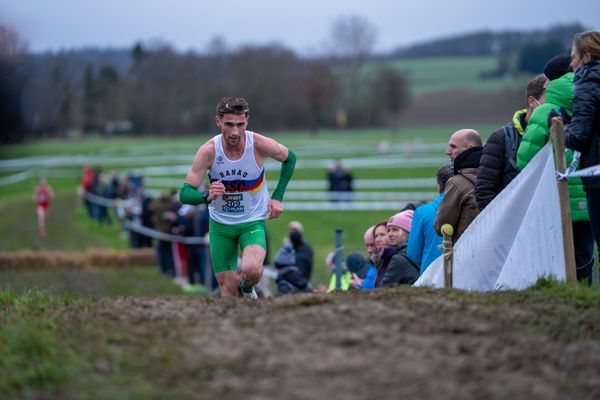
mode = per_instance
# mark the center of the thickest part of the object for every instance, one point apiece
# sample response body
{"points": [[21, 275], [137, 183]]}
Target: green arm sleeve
{"points": [[287, 169], [190, 195]]}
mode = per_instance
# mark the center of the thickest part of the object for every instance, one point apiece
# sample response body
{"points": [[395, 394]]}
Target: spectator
{"points": [[290, 278], [340, 182], [459, 206], [368, 281], [401, 269], [498, 165], [42, 196], [424, 244], [559, 99], [102, 189], [195, 221], [357, 264], [346, 277], [164, 218], [583, 133], [382, 257], [303, 251], [86, 182]]}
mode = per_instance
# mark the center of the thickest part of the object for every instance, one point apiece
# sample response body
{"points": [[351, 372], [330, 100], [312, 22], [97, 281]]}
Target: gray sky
{"points": [[303, 25]]}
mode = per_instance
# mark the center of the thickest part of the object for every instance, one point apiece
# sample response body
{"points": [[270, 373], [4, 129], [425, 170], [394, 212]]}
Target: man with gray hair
{"points": [[459, 206]]}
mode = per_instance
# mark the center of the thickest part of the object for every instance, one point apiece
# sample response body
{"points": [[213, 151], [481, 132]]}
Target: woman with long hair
{"points": [[583, 132]]}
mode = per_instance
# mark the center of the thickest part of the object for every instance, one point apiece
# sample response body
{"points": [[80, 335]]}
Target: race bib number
{"points": [[233, 203]]}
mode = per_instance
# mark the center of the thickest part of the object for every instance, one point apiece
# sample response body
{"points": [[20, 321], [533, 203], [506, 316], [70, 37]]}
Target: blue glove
{"points": [[566, 118]]}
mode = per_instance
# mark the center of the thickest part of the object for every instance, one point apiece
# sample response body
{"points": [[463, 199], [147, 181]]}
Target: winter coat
{"points": [[459, 206], [423, 242], [381, 262], [290, 278], [369, 281], [559, 93], [583, 133], [401, 269], [494, 174], [304, 259]]}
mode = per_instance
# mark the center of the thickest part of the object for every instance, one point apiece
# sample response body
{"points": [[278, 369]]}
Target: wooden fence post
{"points": [[558, 139], [447, 232]]}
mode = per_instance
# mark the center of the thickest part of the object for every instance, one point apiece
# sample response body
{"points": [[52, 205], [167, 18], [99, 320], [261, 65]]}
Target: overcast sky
{"points": [[303, 25]]}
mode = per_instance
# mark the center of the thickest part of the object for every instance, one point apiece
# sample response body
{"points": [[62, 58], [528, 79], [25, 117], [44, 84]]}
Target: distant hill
{"points": [[489, 43]]}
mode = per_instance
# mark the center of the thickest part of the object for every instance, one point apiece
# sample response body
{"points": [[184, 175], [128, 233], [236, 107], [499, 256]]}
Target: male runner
{"points": [[238, 197]]}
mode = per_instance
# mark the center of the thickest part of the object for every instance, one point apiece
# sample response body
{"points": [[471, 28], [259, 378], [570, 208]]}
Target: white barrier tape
{"points": [[349, 196], [9, 180], [582, 173], [133, 226], [318, 184], [343, 206], [574, 163], [120, 206]]}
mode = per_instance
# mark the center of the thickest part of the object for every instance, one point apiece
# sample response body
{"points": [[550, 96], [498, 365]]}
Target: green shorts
{"points": [[227, 240]]}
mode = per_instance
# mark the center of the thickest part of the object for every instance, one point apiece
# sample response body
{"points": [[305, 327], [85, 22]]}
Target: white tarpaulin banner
{"points": [[515, 240]]}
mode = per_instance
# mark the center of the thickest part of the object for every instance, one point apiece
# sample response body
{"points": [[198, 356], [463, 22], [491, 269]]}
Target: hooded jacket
{"points": [[493, 174], [459, 206], [559, 93], [583, 133]]}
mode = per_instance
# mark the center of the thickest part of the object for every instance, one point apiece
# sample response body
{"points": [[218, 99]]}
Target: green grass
{"points": [[68, 228], [436, 74], [131, 282]]}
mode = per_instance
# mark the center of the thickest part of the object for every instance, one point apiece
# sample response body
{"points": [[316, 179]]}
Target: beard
{"points": [[233, 141]]}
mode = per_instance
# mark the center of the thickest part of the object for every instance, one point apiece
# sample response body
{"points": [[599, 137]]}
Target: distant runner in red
{"points": [[42, 196]]}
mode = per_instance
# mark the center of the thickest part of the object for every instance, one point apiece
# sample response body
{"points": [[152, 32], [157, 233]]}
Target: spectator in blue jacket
{"points": [[423, 241]]}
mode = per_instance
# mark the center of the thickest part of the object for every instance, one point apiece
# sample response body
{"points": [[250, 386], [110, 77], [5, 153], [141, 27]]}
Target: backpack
{"points": [[511, 145]]}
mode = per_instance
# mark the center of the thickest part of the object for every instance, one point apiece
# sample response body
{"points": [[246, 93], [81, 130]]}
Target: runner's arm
{"points": [[270, 148], [188, 194]]}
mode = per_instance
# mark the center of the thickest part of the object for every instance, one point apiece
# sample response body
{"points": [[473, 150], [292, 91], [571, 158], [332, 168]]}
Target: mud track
{"points": [[402, 343]]}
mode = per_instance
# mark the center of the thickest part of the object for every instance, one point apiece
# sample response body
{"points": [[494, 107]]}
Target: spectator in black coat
{"points": [[303, 251], [498, 166], [583, 132]]}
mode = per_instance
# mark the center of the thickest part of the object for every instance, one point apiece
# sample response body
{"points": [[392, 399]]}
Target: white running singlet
{"points": [[246, 196]]}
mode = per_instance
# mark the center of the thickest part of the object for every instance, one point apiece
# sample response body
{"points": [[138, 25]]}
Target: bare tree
{"points": [[353, 39]]}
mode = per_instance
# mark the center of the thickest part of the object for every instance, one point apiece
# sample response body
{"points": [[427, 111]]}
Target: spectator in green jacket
{"points": [[559, 95]]}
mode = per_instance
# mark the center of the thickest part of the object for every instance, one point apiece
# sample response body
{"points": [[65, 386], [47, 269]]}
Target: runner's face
{"points": [[233, 127]]}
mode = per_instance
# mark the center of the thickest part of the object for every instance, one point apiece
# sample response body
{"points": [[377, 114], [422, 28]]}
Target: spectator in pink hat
{"points": [[401, 269]]}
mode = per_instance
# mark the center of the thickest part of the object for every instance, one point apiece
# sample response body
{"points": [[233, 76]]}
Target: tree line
{"points": [[153, 89]]}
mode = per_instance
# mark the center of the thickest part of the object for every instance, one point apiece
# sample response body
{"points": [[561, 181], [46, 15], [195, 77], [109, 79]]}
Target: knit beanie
{"points": [[402, 220], [557, 66], [285, 257]]}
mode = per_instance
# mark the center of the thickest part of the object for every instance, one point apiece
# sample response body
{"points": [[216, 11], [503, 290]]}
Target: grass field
{"points": [[438, 74], [70, 230]]}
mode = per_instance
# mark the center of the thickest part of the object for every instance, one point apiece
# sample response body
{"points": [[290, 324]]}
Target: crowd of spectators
{"points": [[152, 221], [402, 247]]}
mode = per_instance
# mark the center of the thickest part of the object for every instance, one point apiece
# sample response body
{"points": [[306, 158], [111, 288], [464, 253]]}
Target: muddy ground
{"points": [[402, 343]]}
